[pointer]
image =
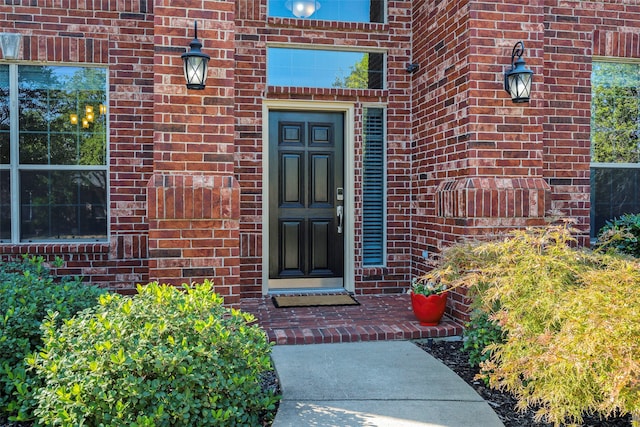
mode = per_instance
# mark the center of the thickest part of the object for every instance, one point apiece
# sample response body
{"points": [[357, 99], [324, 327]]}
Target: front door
{"points": [[306, 200]]}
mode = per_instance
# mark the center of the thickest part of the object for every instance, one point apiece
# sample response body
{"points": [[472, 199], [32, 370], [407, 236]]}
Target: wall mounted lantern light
{"points": [[10, 45], [302, 8], [517, 80], [195, 63]]}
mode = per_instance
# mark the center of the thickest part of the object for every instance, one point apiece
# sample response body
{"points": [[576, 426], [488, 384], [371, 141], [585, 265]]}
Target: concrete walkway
{"points": [[377, 383]]}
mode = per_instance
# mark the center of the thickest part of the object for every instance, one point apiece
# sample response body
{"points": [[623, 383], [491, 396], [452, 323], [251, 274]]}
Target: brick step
{"points": [[378, 317]]}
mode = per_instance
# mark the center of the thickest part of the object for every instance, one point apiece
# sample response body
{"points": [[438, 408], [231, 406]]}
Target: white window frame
{"points": [[608, 165], [15, 168]]}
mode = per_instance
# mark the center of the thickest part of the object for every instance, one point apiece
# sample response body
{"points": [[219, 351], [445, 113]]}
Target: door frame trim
{"points": [[348, 109]]}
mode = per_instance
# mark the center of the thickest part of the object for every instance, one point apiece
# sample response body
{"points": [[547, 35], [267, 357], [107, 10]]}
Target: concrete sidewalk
{"points": [[377, 383]]}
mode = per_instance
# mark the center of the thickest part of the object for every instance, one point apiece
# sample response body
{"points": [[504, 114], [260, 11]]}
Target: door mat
{"points": [[283, 301]]}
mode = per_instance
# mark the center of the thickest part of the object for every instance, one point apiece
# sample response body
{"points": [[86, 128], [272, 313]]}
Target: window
{"points": [[5, 190], [373, 187], [324, 68], [615, 141], [53, 152], [329, 10]]}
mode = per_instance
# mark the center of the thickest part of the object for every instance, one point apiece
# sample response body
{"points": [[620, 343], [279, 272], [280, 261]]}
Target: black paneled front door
{"points": [[306, 199]]}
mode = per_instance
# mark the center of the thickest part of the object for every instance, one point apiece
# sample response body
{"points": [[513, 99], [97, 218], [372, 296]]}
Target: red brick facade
{"points": [[120, 35], [193, 194], [254, 32], [186, 167]]}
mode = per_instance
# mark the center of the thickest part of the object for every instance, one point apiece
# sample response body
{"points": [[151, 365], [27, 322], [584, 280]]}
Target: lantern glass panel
{"points": [[195, 71], [519, 86]]}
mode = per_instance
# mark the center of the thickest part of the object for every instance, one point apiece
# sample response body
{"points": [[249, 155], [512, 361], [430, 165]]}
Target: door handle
{"points": [[340, 215]]}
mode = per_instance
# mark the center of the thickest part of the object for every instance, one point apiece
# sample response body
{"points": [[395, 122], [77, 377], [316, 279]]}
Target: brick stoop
{"points": [[378, 317]]}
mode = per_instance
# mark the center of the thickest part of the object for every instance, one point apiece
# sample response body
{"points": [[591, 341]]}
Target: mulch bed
{"points": [[452, 355]]}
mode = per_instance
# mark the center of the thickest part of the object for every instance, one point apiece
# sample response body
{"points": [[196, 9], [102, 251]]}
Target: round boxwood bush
{"points": [[27, 293], [164, 357]]}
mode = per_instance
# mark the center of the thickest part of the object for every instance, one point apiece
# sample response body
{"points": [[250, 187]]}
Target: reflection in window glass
{"points": [[615, 141], [614, 192], [324, 68], [63, 205], [615, 113], [62, 115], [5, 205], [329, 10], [4, 114], [61, 146]]}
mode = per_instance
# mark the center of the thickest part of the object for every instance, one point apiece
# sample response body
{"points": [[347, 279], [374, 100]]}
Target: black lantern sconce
{"points": [[517, 80], [195, 63]]}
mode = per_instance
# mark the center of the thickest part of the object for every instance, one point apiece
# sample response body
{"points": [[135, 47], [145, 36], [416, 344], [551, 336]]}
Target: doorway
{"points": [[306, 200]]}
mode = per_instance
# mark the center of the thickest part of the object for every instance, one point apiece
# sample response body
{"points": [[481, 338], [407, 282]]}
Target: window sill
{"points": [[35, 248]]}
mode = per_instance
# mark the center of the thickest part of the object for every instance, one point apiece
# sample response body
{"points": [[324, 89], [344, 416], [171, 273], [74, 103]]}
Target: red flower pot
{"points": [[429, 309]]}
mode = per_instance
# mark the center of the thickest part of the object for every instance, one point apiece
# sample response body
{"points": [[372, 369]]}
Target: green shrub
{"points": [[27, 293], [480, 333], [161, 358], [621, 235], [570, 322]]}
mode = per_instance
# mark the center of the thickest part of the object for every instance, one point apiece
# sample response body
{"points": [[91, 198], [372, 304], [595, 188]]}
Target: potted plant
{"points": [[428, 298]]}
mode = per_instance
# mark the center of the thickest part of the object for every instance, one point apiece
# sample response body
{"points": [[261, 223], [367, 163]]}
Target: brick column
{"points": [[193, 196], [500, 184], [478, 158]]}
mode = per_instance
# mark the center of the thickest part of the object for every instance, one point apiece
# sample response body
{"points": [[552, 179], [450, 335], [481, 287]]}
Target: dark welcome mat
{"points": [[283, 301]]}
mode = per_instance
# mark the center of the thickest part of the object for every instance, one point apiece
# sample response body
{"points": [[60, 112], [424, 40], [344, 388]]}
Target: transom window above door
{"points": [[324, 68], [329, 10]]}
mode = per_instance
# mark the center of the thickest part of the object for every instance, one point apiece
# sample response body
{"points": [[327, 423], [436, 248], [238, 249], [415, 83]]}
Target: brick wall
{"points": [[193, 221], [440, 116], [575, 32], [194, 196], [118, 35], [160, 134], [479, 157], [483, 164], [254, 30], [478, 163]]}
